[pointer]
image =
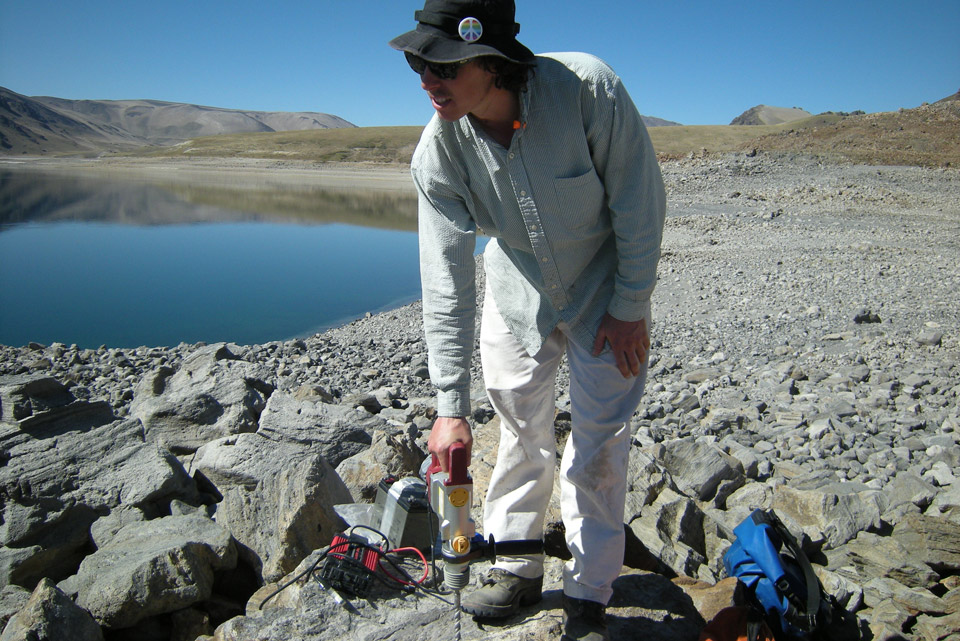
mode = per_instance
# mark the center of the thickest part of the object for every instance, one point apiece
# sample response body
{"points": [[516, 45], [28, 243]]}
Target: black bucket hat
{"points": [[452, 30]]}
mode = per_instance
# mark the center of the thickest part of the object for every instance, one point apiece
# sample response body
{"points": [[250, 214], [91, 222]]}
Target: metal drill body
{"points": [[451, 497]]}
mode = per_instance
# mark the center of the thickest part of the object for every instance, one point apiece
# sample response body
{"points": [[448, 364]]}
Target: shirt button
{"points": [[512, 155], [523, 193], [544, 259], [533, 228]]}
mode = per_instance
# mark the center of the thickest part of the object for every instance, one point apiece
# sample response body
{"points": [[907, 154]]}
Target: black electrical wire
{"points": [[433, 548], [296, 578]]}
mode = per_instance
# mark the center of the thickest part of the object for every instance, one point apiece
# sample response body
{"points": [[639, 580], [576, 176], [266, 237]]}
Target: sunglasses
{"points": [[442, 70]]}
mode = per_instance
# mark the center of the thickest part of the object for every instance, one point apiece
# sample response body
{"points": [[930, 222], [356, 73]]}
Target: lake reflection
{"points": [[130, 262]]}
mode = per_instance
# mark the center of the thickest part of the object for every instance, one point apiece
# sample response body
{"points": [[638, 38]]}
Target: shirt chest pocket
{"points": [[580, 201]]}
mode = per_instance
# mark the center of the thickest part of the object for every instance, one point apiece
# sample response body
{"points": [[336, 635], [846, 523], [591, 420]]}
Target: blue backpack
{"points": [[778, 578]]}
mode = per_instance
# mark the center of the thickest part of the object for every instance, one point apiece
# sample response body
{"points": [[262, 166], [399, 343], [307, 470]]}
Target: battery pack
{"points": [[349, 565], [407, 519]]}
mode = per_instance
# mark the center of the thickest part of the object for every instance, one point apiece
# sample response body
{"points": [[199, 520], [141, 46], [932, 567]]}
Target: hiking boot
{"points": [[501, 595], [584, 620]]}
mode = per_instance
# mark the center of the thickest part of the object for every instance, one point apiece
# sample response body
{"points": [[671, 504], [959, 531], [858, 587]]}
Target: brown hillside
{"points": [[927, 136]]}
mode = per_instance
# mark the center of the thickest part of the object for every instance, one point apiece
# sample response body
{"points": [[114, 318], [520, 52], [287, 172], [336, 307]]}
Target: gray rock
{"points": [[213, 394], [930, 337], [278, 498], [935, 541], [748, 457], [672, 529], [947, 503], [832, 515], [848, 593], [881, 589], [701, 470], [150, 568], [387, 455], [42, 405], [946, 628], [55, 484], [887, 620], [907, 487], [335, 431], [51, 614], [645, 481], [12, 600], [644, 607], [871, 555]]}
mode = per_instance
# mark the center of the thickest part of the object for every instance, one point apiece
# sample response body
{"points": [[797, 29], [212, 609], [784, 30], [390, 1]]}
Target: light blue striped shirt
{"points": [[575, 210]]}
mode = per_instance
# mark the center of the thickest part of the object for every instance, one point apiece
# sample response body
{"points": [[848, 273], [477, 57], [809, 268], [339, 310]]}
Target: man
{"points": [[549, 157]]}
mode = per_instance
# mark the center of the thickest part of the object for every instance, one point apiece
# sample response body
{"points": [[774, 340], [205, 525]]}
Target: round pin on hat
{"points": [[470, 29], [455, 30]]}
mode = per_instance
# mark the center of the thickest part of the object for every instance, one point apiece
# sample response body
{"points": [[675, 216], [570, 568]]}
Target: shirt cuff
{"points": [[628, 310], [453, 403]]}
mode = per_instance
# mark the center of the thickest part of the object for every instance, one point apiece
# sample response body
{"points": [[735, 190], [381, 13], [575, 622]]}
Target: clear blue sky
{"points": [[689, 61]]}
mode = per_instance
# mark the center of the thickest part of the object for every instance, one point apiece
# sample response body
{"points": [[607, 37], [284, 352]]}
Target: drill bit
{"points": [[456, 624]]}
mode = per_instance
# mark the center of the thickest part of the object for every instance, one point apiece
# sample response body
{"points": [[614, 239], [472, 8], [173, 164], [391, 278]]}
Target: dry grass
{"points": [[927, 136], [360, 144], [673, 142]]}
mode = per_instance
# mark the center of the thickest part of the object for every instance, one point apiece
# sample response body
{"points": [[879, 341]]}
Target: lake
{"points": [[126, 261]]}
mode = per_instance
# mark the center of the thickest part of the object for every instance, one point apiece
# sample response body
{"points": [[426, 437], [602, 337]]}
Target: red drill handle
{"points": [[457, 465]]}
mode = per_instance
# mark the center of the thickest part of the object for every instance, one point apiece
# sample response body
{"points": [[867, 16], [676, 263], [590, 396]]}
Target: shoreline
{"points": [[707, 189], [241, 173]]}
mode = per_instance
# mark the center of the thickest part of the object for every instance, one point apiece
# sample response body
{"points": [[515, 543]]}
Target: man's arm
{"points": [[626, 163], [447, 235]]}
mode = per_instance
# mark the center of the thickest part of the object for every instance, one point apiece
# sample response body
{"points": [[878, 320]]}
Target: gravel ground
{"points": [[790, 291]]}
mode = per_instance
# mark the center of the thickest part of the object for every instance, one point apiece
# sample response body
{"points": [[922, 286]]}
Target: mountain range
{"points": [[38, 125], [41, 125], [46, 125]]}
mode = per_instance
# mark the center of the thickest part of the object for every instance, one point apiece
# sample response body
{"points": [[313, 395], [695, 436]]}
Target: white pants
{"points": [[593, 470]]}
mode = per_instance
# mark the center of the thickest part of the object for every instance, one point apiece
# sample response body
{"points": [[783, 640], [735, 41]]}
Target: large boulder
{"points": [[700, 469], [212, 394], [870, 555], [335, 431], [645, 481], [12, 600], [388, 455], [830, 515], [278, 498], [644, 607], [151, 568], [935, 540], [51, 614], [39, 404], [673, 528], [63, 470]]}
